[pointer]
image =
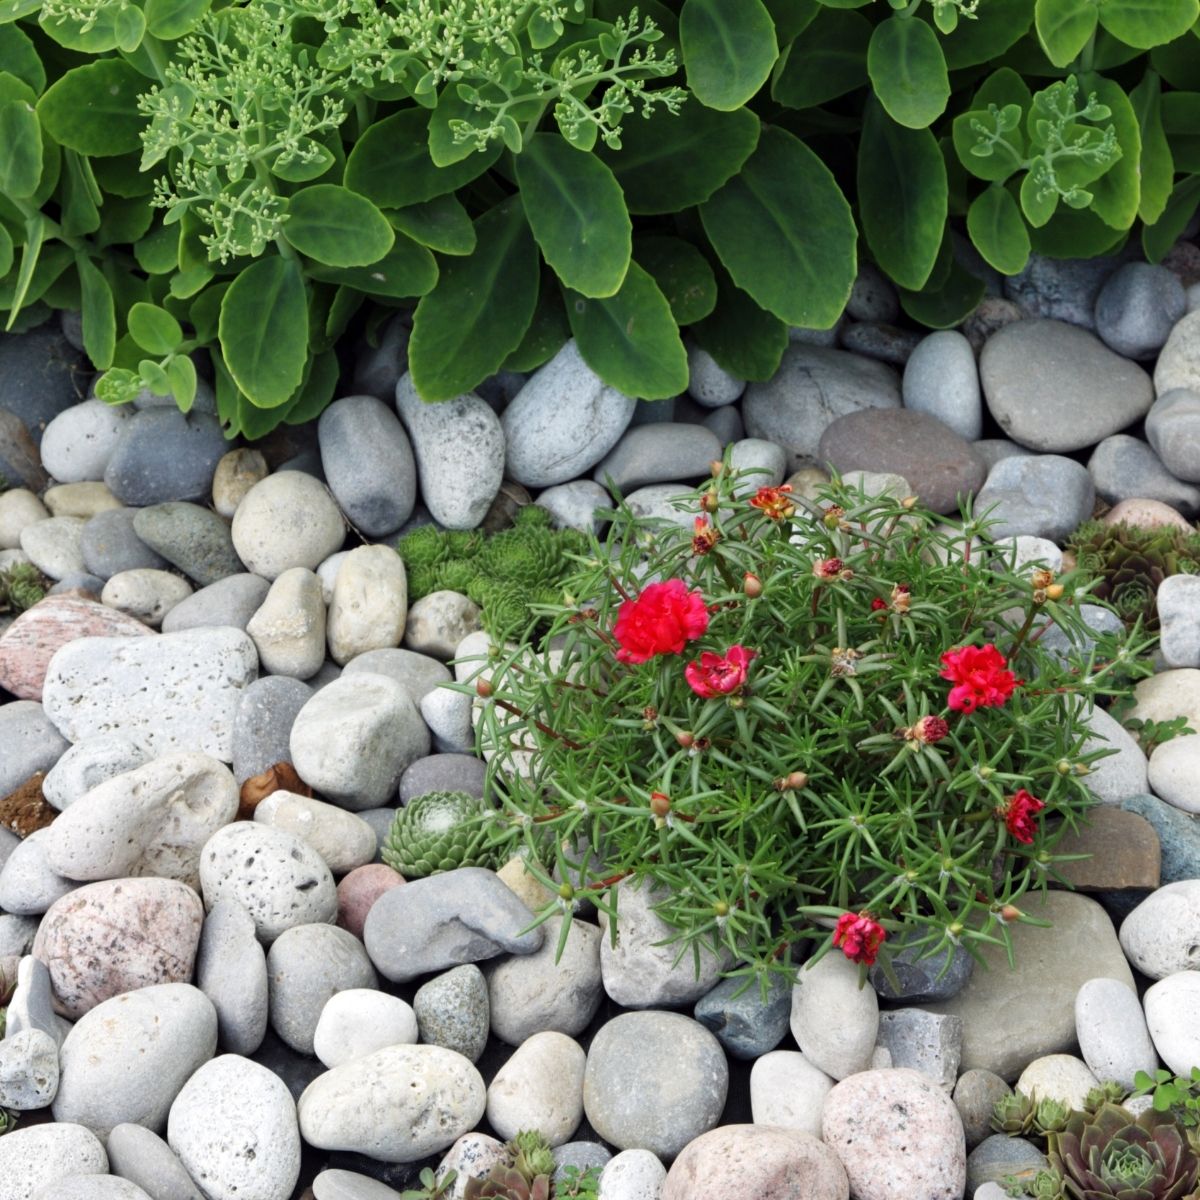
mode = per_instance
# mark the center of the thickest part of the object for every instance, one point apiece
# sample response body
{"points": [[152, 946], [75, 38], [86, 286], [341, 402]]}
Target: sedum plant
{"points": [[802, 722]]}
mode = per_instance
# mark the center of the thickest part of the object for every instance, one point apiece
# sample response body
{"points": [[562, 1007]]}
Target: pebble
{"points": [[177, 691], [452, 1011], [349, 1185], [658, 453], [1137, 307], [78, 443], [747, 1022], [53, 546], [262, 726], [539, 1087], [939, 465], [19, 508], [1065, 289], [1173, 774], [632, 1175], [1149, 514], [1178, 363], [288, 520], [109, 544], [28, 886], [231, 601], [145, 594], [152, 820], [280, 879], [448, 717], [190, 537], [786, 1090], [236, 473], [654, 1081], [877, 340], [370, 603], [999, 1156], [843, 1047], [755, 1160], [1178, 602], [378, 367], [362, 886], [29, 743], [812, 388], [368, 464], [992, 450], [641, 971], [581, 1156], [873, 296], [1120, 775], [1122, 853], [563, 421], [288, 630], [356, 1022], [231, 970], [1011, 1017], [31, 1006], [975, 1095], [342, 839], [234, 1128], [1158, 936], [306, 965], [662, 502], [141, 1156], [1112, 1033], [726, 425], [459, 916], [417, 673], [439, 621], [38, 1155], [164, 455], [118, 936], [1172, 1007], [927, 1042], [29, 1071], [156, 1037], [398, 1104], [352, 741], [942, 381], [1043, 495], [709, 384], [1173, 430], [763, 464], [923, 978], [38, 371], [1061, 1077], [1178, 836], [1123, 467], [19, 459], [531, 993], [205, 402], [460, 451], [82, 500], [573, 505]]}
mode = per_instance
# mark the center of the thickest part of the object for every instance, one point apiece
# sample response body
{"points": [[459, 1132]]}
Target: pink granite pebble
{"points": [[359, 890]]}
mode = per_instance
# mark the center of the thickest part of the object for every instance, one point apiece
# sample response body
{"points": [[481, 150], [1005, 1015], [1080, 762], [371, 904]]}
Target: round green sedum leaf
{"points": [[337, 227], [1064, 26], [20, 150], [93, 109], [785, 233], [825, 61], [1148, 23], [682, 273], [153, 328], [908, 71], [728, 48], [998, 230]]}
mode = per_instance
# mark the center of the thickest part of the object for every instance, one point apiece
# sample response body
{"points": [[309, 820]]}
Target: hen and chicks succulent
{"points": [[438, 832], [21, 586], [526, 1175]]}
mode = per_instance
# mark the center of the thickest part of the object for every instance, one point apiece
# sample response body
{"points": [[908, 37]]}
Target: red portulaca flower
{"points": [[773, 502], [929, 730], [715, 675], [704, 536], [878, 605], [828, 568], [979, 676], [1019, 815], [662, 620], [859, 936]]}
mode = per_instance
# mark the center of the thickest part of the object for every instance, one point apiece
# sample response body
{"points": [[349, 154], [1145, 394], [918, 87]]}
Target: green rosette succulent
{"points": [[1114, 1156], [1051, 1116], [21, 587], [438, 832], [507, 1183], [1110, 1092], [531, 1154], [1014, 1114]]}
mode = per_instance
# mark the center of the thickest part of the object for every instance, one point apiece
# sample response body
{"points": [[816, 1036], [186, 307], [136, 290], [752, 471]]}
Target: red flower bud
{"points": [[660, 804], [483, 688], [710, 501], [752, 585], [928, 730], [685, 739], [828, 568]]}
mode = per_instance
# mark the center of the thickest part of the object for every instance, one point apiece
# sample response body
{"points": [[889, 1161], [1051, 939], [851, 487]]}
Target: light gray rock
{"points": [[632, 1175], [343, 840], [573, 505], [327, 572], [975, 1095], [1113, 779], [1173, 430], [942, 380], [654, 1081], [234, 1128], [1111, 1028], [354, 738], [873, 296], [1178, 363], [657, 454], [53, 546], [236, 473], [460, 452], [539, 1087], [725, 424], [370, 603], [90, 763], [78, 443], [19, 508], [927, 1042], [145, 594], [1158, 936], [1043, 495], [356, 1022], [709, 384], [1061, 1077], [471, 1157], [452, 1011], [448, 716], [1137, 308], [231, 970], [1178, 604], [262, 728], [29, 743], [287, 520], [417, 673], [179, 691], [843, 1047], [190, 537], [438, 622], [368, 463], [163, 454], [460, 916], [764, 463], [350, 1185], [231, 601], [399, 1104], [443, 773], [279, 879], [288, 629], [31, 1006], [28, 884], [1065, 289], [1172, 1007], [786, 1090], [29, 1070], [378, 367], [38, 1155], [141, 1156], [1175, 772], [877, 340], [668, 502], [127, 1059], [1123, 467]]}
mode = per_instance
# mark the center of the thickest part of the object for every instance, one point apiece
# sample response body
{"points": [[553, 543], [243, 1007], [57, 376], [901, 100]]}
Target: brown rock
{"points": [[1148, 514], [31, 641], [938, 464], [281, 777], [1124, 848], [117, 936], [759, 1161], [25, 809], [19, 453], [359, 890]]}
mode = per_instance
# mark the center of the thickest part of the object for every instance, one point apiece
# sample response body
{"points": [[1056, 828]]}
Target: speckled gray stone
{"points": [[443, 773], [927, 1042], [29, 742], [91, 762], [165, 455], [1178, 835], [1124, 467], [417, 673], [747, 1025], [38, 1155], [452, 1011], [1043, 495], [263, 724], [975, 1095], [141, 1156], [657, 454], [109, 544], [190, 537], [1137, 308]]}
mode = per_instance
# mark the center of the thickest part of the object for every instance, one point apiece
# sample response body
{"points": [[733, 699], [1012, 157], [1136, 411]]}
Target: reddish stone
{"points": [[1123, 852], [359, 890], [31, 640], [25, 809], [1146, 514], [117, 936]]}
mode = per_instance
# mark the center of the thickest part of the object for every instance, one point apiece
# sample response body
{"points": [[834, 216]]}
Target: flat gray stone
{"points": [[190, 537], [1043, 495], [110, 544], [141, 1156], [162, 455], [1173, 430], [231, 970], [658, 453], [744, 1022], [1124, 467], [443, 773], [262, 726], [230, 601]]}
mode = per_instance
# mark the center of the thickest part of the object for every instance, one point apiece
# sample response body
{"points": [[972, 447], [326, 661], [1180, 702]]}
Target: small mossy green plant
{"points": [[21, 587]]}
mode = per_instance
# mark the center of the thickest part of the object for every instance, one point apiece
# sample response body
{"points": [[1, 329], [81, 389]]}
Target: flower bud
{"points": [[660, 804], [1063, 767], [483, 688], [752, 585], [686, 739], [1042, 579], [716, 467], [721, 909], [909, 502], [1054, 591], [793, 782], [1010, 912], [710, 501], [928, 730], [566, 892]]}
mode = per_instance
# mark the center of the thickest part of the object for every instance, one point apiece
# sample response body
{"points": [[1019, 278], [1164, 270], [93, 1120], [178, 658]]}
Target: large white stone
{"points": [[287, 520], [288, 628], [1161, 936], [370, 603], [359, 1021], [1118, 776], [1172, 1008], [1061, 1077], [1175, 772], [1111, 1028], [343, 840], [38, 1155], [835, 1021], [788, 1091], [540, 1087]]}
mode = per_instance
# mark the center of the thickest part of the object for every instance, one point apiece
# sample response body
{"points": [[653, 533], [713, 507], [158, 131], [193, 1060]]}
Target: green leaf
{"points": [[98, 312], [19, 57], [824, 62], [743, 339], [1181, 123], [1178, 63], [337, 227], [1038, 203], [442, 224], [478, 313], [668, 163], [185, 284], [1116, 194], [1147, 23], [21, 157], [1157, 239], [997, 25], [154, 329], [948, 305], [1074, 233], [171, 19], [903, 196], [158, 252], [576, 210], [80, 214], [316, 391], [443, 149], [729, 49], [908, 71], [390, 163], [682, 274], [123, 222], [14, 10], [1064, 27], [264, 330], [631, 340], [22, 286], [181, 375], [1003, 88], [791, 17], [1157, 165], [998, 230], [6, 251], [309, 160], [785, 233], [129, 27], [93, 109], [406, 270], [93, 35], [121, 175], [547, 332]]}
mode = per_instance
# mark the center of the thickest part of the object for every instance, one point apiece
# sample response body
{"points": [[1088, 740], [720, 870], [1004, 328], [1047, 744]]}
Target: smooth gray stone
{"points": [[28, 885], [725, 424], [873, 296], [193, 538], [880, 341], [75, 582], [921, 979], [231, 970], [165, 455], [29, 743], [747, 1025], [350, 1185], [1137, 308], [1000, 1155], [1044, 495], [1124, 467], [88, 764], [453, 1011], [1178, 835], [32, 1004], [578, 1154], [141, 1156], [8, 843], [40, 376], [77, 443], [658, 453], [1173, 430], [29, 1071], [443, 773], [975, 1095], [1065, 289], [110, 544], [263, 724], [16, 933], [377, 369], [380, 820], [230, 601], [417, 673]]}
